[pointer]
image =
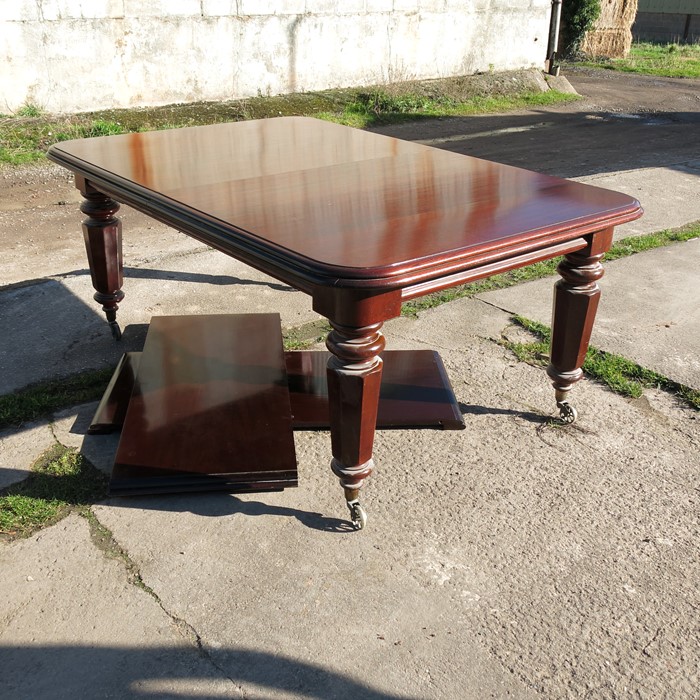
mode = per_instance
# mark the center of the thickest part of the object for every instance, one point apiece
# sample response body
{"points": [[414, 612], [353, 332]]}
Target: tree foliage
{"points": [[577, 18]]}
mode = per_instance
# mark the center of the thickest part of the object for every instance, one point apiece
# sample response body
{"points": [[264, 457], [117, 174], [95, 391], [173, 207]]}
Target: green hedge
{"points": [[577, 18]]}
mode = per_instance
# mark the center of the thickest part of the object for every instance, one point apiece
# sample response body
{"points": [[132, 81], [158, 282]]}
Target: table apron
{"points": [[209, 231], [477, 273]]}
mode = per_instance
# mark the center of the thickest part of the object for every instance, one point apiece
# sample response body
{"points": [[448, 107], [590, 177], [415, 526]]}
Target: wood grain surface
{"points": [[336, 203]]}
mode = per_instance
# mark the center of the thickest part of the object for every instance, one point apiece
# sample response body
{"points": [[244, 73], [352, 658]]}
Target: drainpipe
{"points": [[554, 24]]}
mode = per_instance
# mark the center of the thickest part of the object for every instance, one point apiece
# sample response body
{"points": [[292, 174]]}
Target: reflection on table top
{"points": [[342, 200]]}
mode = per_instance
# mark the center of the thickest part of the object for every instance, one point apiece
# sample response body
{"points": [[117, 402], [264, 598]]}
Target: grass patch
{"points": [[43, 399], [649, 241], [618, 373], [25, 140], [61, 481], [666, 60], [306, 336], [26, 135], [621, 249], [29, 110], [380, 107]]}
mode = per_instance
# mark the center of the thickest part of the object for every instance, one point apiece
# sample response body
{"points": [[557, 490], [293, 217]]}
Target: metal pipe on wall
{"points": [[554, 26]]}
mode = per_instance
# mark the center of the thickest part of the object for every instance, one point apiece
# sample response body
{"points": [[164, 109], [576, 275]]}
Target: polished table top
{"points": [[339, 206]]}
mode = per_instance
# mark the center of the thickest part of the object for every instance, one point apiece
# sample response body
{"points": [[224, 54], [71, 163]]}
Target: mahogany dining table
{"points": [[360, 222]]}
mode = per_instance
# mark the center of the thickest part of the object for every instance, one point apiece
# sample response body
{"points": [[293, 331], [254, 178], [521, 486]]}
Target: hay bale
{"points": [[611, 35]]}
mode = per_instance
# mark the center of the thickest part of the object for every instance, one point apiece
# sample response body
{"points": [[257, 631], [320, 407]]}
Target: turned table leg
{"points": [[102, 232], [576, 297], [354, 377]]}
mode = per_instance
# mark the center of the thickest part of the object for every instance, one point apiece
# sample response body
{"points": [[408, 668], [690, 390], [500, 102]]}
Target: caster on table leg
{"points": [[567, 412], [357, 514], [110, 304], [116, 331]]}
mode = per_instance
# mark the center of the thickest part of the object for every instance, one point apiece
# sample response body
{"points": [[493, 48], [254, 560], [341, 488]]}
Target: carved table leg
{"points": [[354, 378], [576, 298], [102, 232]]}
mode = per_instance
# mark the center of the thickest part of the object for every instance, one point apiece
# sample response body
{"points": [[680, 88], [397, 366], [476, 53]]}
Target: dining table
{"points": [[361, 223]]}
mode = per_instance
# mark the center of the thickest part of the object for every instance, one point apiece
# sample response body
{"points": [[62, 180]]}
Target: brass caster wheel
{"points": [[567, 412], [357, 514], [116, 331]]}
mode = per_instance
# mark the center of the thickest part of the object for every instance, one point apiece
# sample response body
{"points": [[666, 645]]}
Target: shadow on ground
{"points": [[216, 505], [568, 143], [74, 671]]}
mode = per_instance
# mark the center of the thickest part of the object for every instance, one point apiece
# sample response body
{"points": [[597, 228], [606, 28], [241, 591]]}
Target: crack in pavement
{"points": [[104, 540]]}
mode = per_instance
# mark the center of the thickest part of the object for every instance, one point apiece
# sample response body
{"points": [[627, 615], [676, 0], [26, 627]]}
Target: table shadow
{"points": [[222, 280], [213, 504], [476, 410]]}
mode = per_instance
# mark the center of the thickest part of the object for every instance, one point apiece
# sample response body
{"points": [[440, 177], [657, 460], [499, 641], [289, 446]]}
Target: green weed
{"points": [[649, 241], [104, 540], [547, 268], [369, 109], [306, 336], [669, 60], [26, 137], [621, 375], [29, 110], [61, 480], [45, 398]]}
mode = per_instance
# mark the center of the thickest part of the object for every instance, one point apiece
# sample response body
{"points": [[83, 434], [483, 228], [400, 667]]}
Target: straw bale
{"points": [[611, 35]]}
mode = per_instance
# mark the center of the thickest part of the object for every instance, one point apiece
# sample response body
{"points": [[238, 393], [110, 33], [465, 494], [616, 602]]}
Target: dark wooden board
{"points": [[111, 410], [415, 391], [209, 409]]}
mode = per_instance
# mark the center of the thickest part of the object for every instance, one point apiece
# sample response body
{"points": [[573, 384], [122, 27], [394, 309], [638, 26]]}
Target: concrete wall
{"points": [[78, 55], [668, 27]]}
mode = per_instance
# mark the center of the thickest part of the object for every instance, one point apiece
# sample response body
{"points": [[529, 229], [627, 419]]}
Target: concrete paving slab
{"points": [[73, 627], [669, 196], [513, 558], [649, 310], [20, 448]]}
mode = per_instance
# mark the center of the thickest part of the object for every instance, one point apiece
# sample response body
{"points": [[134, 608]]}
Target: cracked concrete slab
{"points": [[514, 558], [649, 309], [20, 448], [74, 627]]}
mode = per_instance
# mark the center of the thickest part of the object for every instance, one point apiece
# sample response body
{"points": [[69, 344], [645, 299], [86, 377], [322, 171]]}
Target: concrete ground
{"points": [[517, 558]]}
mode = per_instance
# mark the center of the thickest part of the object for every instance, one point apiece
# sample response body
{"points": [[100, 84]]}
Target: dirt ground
{"points": [[623, 122]]}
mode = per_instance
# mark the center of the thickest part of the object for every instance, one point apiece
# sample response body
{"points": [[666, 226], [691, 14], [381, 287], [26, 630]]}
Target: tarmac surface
{"points": [[517, 558]]}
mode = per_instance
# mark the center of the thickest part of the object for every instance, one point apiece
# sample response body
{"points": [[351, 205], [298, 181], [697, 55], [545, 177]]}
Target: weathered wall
{"points": [[669, 21], [78, 55], [667, 27]]}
